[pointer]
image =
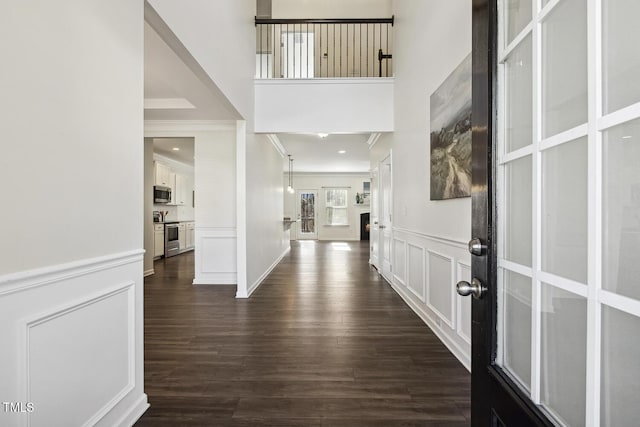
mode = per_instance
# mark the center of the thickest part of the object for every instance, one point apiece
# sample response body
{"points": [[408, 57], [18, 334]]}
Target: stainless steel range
{"points": [[171, 240]]}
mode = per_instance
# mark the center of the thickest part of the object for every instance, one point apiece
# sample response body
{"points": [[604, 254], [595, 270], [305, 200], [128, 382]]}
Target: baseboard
{"points": [[136, 411], [264, 275], [216, 279], [458, 352], [149, 272]]}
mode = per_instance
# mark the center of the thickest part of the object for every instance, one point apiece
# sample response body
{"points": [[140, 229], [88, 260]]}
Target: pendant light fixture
{"points": [[290, 187]]}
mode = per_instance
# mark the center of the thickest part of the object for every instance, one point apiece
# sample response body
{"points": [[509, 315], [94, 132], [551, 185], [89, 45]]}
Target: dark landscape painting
{"points": [[451, 135]]}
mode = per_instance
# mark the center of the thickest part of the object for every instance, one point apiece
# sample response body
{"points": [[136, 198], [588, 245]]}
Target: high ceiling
{"points": [[172, 91], [312, 153]]}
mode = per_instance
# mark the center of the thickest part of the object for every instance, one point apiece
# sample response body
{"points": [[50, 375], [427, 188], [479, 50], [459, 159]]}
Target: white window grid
{"points": [[597, 124], [336, 199]]}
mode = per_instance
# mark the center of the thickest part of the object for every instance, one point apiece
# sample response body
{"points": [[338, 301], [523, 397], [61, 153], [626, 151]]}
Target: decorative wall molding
{"points": [[461, 354], [24, 280], [421, 277], [78, 305], [400, 273], [156, 128], [264, 275], [275, 141], [373, 139], [440, 239], [460, 276], [431, 255]]}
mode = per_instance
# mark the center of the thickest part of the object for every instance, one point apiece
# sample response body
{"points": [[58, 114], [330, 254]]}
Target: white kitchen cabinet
{"points": [[180, 189], [158, 240], [182, 236], [191, 235], [162, 174]]}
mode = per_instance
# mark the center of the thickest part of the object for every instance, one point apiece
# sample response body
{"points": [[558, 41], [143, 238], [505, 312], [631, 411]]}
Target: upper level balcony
{"points": [[324, 75]]}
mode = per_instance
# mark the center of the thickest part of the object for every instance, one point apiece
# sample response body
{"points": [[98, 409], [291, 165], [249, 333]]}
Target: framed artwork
{"points": [[451, 135]]}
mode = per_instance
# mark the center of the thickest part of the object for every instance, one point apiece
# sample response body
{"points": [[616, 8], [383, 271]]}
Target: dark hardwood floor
{"points": [[323, 342]]}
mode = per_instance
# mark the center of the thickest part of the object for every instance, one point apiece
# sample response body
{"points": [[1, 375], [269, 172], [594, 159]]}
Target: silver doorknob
{"points": [[476, 247], [474, 288]]}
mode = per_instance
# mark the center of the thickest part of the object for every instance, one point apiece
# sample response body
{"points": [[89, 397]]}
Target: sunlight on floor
{"points": [[340, 246]]}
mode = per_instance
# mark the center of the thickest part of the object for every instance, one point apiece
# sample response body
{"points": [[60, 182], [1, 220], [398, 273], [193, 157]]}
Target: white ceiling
{"points": [[172, 90], [311, 153], [165, 147]]}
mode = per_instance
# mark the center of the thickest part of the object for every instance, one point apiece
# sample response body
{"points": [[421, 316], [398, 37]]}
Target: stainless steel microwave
{"points": [[161, 194]]}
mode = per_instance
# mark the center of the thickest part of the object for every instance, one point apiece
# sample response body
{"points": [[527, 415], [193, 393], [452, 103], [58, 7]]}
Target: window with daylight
{"points": [[336, 205]]}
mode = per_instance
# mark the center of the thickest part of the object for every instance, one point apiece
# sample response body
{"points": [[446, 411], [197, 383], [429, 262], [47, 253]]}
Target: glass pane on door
{"points": [[563, 354], [621, 206], [516, 327], [517, 16], [519, 97], [621, 55], [620, 377], [307, 212], [565, 210], [564, 67]]}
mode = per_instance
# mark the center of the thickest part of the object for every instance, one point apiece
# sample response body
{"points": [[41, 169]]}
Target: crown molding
{"points": [[152, 128], [373, 139], [277, 144]]}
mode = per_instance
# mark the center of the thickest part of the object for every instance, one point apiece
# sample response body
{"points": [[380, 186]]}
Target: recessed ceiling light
{"points": [[323, 135], [175, 149], [342, 151], [627, 137]]}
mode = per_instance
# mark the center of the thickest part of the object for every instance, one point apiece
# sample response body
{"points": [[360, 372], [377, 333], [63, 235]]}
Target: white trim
{"points": [[158, 128], [453, 347], [459, 266], [216, 279], [241, 206], [29, 279], [275, 141], [515, 43], [263, 276], [447, 241], [566, 136], [523, 270], [325, 80], [565, 284], [52, 314], [449, 322], [619, 302], [405, 270], [546, 10], [136, 411], [373, 139], [516, 155], [423, 279], [149, 272], [618, 117], [594, 218]]}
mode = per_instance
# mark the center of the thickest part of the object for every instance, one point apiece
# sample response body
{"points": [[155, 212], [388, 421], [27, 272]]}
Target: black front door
{"points": [[496, 399]]}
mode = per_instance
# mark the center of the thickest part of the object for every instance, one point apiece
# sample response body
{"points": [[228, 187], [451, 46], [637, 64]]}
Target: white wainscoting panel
{"points": [[440, 291], [416, 271], [433, 266], [88, 347], [75, 334], [464, 304], [215, 256], [399, 253]]}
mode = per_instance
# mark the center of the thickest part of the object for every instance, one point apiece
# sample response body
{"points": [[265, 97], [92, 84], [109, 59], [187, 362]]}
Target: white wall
{"points": [[324, 105], [266, 240], [218, 33], [71, 277], [317, 182], [331, 9], [429, 236]]}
